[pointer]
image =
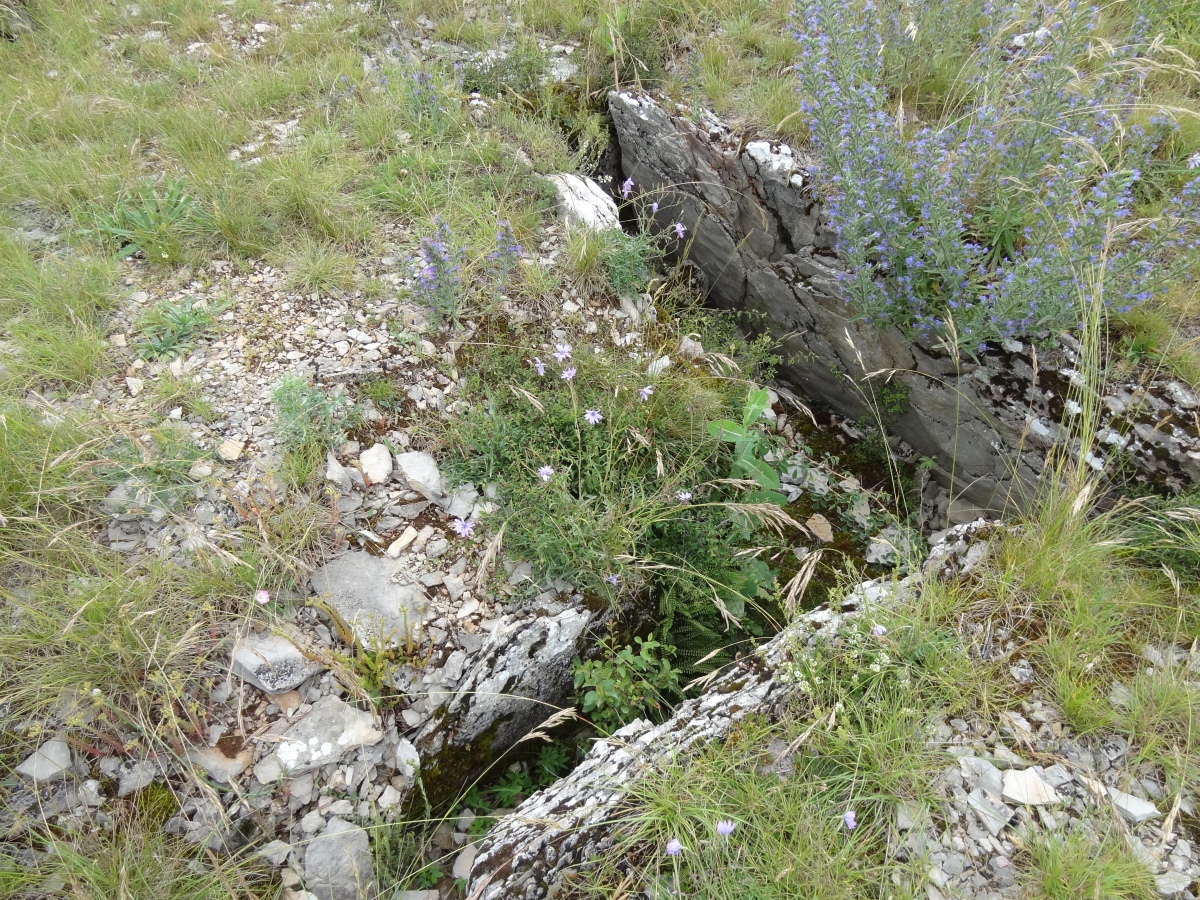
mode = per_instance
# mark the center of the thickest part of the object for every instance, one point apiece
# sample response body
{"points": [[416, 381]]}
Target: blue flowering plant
{"points": [[1043, 181], [438, 286]]}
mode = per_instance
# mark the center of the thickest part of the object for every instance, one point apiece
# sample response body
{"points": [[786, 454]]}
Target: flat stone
{"points": [[994, 814], [1027, 788], [361, 589], [464, 861], [219, 767], [337, 864], [400, 544], [376, 464], [979, 773], [336, 473], [1057, 775], [1172, 883], [1134, 809], [270, 662], [275, 853], [231, 450], [49, 762], [582, 203], [420, 470], [390, 798], [330, 729], [135, 776]]}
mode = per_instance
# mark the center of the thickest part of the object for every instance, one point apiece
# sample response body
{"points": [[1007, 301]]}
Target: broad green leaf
{"points": [[767, 477], [725, 430], [756, 405], [766, 497]]}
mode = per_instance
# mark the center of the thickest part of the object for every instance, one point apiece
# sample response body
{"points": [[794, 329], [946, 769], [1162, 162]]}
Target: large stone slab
{"points": [[759, 242], [270, 662], [373, 597], [337, 864], [331, 729]]}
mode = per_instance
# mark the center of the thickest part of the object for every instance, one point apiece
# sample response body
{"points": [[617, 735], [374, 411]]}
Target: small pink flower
{"points": [[645, 392], [626, 187], [568, 374], [593, 416], [680, 231], [684, 496], [462, 527], [674, 848], [850, 820], [546, 473], [611, 579], [654, 208], [562, 352], [262, 598], [725, 827], [539, 366], [879, 631]]}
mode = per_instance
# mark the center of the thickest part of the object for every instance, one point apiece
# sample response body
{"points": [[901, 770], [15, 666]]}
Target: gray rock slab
{"points": [[994, 814], [49, 762], [464, 861], [582, 203], [331, 728], [220, 768], [420, 470], [1172, 884], [337, 864], [979, 773], [270, 661], [1027, 787], [365, 591], [376, 463], [1134, 809]]}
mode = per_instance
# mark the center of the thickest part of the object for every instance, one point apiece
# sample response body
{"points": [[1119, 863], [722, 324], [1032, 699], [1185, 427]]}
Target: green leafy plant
{"points": [[749, 444], [308, 423], [512, 784], [627, 683], [170, 328], [153, 223]]}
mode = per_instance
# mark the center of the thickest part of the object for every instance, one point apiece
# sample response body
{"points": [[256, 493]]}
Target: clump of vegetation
{"points": [[1043, 181], [627, 683], [170, 329], [309, 422], [155, 223]]}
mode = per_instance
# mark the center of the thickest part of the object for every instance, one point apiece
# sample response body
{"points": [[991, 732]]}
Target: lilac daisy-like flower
{"points": [[262, 598], [654, 208], [568, 374], [539, 366], [680, 230], [674, 848], [546, 473], [879, 630], [626, 187], [1194, 161], [562, 352], [683, 496], [725, 827], [593, 416], [850, 820], [645, 392], [462, 527], [611, 579]]}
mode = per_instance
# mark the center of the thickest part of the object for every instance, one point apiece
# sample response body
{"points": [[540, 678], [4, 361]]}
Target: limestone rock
{"points": [[219, 767], [376, 463], [331, 728], [1134, 809], [1027, 787], [337, 864], [420, 470], [270, 661], [49, 762], [362, 590], [583, 204]]}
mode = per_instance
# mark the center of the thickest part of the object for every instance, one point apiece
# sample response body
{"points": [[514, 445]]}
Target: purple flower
{"points": [[568, 374], [546, 473], [262, 598], [539, 366], [680, 230], [850, 820], [645, 392], [725, 827], [593, 416], [654, 208], [683, 496], [1194, 161], [674, 848], [462, 527], [879, 631], [611, 579], [562, 352], [626, 187]]}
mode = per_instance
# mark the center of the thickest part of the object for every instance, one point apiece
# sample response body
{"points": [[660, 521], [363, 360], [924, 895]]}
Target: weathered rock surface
{"points": [[331, 728], [421, 472], [361, 589], [757, 239], [337, 864], [376, 463], [49, 762], [583, 204], [270, 661], [522, 857]]}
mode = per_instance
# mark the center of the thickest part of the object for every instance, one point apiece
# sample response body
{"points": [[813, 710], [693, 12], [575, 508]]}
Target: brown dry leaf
{"points": [[820, 527]]}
